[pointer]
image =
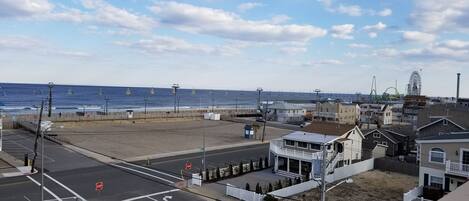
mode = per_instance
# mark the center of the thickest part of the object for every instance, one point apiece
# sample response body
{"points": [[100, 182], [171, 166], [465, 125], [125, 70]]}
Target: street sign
{"points": [[188, 166], [99, 186]]}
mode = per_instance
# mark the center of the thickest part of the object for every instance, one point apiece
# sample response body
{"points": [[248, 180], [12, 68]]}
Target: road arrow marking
{"points": [[165, 198]]}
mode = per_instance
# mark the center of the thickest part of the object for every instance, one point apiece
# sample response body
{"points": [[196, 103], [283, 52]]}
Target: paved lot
{"points": [[368, 186], [137, 139]]}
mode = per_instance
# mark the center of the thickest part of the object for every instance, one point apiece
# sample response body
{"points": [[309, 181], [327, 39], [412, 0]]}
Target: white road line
{"points": [[152, 198], [68, 189], [149, 195], [144, 173], [45, 188], [149, 169]]}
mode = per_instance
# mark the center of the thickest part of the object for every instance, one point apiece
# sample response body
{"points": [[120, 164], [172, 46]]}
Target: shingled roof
{"points": [[328, 128], [457, 114]]}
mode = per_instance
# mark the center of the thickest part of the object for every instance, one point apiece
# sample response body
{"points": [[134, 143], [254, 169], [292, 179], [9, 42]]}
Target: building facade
{"points": [[286, 112], [343, 113], [376, 113], [300, 153], [444, 160]]}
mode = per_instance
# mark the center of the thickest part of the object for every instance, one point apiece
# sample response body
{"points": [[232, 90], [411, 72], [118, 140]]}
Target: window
{"points": [[289, 142], [384, 143], [437, 155], [316, 146], [302, 144], [436, 182], [445, 122], [376, 135]]}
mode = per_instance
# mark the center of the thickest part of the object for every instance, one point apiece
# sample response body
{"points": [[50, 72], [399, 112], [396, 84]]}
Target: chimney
{"points": [[457, 87]]}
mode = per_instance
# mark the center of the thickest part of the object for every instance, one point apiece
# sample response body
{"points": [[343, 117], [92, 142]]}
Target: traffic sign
{"points": [[188, 166], [99, 186]]}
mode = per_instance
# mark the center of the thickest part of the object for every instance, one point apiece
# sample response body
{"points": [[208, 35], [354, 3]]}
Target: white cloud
{"points": [[455, 44], [416, 36], [24, 43], [24, 8], [280, 19], [110, 15], [385, 12], [248, 6], [323, 62], [159, 45], [372, 34], [352, 10], [293, 50], [376, 27], [359, 45], [437, 15], [342, 31], [224, 24]]}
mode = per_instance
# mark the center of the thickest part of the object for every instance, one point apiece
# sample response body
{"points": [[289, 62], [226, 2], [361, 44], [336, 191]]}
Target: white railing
{"points": [[337, 158], [277, 147], [413, 194], [457, 168], [242, 194]]}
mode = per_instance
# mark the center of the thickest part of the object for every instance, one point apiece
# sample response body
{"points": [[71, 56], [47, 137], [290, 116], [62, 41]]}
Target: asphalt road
{"points": [[77, 177]]}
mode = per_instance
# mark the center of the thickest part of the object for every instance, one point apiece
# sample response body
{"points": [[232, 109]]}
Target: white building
{"points": [[370, 113], [286, 112], [299, 153]]}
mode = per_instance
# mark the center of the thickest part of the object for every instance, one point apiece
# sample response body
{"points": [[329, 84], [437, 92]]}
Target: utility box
{"points": [[248, 131], [207, 115], [130, 114], [211, 116]]}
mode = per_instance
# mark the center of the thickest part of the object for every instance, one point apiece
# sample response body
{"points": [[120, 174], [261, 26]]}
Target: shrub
{"points": [[290, 182], [240, 172], [266, 162], [251, 166], [271, 188], [207, 176], [270, 198], [230, 170], [248, 188], [258, 188], [261, 163], [218, 173]]}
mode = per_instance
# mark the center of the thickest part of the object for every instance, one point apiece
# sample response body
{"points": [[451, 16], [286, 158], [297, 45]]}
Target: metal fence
{"points": [[393, 165]]}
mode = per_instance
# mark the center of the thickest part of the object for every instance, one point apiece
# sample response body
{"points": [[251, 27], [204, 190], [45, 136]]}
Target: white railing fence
{"points": [[277, 147], [243, 194], [457, 168], [413, 194], [196, 179]]}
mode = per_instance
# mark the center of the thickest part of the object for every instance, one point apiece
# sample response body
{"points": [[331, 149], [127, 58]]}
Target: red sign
{"points": [[99, 186], [188, 165]]}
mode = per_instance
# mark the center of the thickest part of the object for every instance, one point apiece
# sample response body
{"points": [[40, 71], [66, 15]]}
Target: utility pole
{"points": [[175, 91], [50, 85], [1, 130], [145, 100], [106, 99], [323, 172], [259, 91], [39, 132], [265, 120]]}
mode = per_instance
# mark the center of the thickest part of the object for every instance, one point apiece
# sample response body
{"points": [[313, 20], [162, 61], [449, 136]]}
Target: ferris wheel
{"points": [[415, 84]]}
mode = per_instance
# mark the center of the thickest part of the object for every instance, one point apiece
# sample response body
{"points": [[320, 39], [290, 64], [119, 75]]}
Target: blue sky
{"points": [[294, 45]]}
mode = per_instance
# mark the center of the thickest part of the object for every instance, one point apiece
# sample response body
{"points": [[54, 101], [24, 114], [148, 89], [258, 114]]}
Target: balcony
{"points": [[277, 147], [458, 169]]}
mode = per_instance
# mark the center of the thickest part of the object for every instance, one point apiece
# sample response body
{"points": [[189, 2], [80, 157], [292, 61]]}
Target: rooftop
{"points": [[457, 114], [451, 136], [328, 128], [309, 137]]}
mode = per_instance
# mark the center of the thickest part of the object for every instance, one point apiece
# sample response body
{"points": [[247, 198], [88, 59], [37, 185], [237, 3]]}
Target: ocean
{"points": [[26, 98]]}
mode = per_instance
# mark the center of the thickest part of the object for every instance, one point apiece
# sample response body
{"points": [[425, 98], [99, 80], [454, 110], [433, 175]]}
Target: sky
{"points": [[283, 45]]}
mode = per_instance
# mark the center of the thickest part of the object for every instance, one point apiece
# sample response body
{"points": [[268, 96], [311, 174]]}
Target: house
{"points": [[412, 106], [286, 112], [444, 160], [439, 119], [299, 153], [376, 113], [396, 140], [463, 102], [343, 113]]}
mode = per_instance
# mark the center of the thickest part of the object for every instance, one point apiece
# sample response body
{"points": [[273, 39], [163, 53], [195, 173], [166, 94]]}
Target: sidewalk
{"points": [[12, 167]]}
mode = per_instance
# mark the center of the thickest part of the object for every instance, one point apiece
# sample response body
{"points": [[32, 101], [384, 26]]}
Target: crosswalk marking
{"points": [[67, 188], [144, 173], [149, 195], [45, 188]]}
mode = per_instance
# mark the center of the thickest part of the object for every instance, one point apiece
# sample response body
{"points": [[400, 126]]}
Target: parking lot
{"points": [[140, 139]]}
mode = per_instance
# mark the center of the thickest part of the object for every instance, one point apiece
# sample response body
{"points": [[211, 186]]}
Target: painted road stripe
{"points": [[45, 188], [144, 173], [149, 195], [68, 189], [149, 169]]}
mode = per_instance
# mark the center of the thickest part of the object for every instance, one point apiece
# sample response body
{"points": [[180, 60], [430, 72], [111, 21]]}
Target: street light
{"points": [[175, 89], [259, 91], [50, 85]]}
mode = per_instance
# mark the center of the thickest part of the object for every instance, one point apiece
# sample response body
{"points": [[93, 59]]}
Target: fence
{"points": [[393, 165], [10, 120], [339, 173], [412, 194], [196, 179], [243, 194]]}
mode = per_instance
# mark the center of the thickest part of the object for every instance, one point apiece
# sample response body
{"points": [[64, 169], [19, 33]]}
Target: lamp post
{"points": [[145, 100], [106, 99], [175, 90], [259, 91], [50, 85]]}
